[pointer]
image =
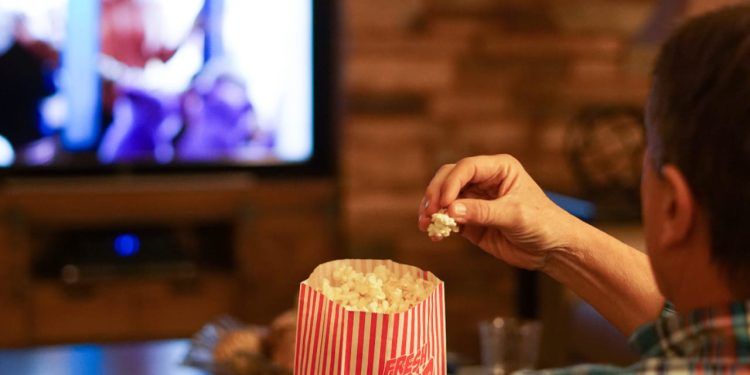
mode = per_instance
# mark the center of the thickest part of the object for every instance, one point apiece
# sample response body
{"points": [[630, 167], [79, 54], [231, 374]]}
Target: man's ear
{"points": [[679, 205]]}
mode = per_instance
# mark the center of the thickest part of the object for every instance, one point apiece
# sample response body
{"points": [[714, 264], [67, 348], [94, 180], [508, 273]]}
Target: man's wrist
{"points": [[570, 254]]}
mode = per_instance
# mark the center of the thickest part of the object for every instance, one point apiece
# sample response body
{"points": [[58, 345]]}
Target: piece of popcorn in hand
{"points": [[442, 225]]}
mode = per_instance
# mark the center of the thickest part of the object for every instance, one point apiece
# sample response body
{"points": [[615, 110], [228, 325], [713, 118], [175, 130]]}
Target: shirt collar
{"points": [[716, 332]]}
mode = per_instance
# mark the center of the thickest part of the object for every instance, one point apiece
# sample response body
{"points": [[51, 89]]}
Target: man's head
{"points": [[697, 167]]}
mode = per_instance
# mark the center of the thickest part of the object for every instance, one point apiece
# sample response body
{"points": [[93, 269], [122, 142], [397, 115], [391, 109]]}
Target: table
{"points": [[142, 358]]}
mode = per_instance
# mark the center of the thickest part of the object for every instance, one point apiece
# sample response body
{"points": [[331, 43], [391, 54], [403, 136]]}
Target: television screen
{"points": [[113, 83]]}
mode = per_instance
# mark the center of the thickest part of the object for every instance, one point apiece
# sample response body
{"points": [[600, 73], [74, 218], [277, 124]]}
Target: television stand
{"points": [[280, 230]]}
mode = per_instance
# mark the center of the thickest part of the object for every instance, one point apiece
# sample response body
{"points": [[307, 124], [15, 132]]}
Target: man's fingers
{"points": [[431, 202], [480, 212], [452, 179], [424, 222], [475, 170]]}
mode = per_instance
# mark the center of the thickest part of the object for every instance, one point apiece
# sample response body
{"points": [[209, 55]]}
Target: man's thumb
{"points": [[478, 212]]}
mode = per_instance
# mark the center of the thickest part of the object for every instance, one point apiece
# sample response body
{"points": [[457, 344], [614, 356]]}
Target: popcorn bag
{"points": [[369, 316]]}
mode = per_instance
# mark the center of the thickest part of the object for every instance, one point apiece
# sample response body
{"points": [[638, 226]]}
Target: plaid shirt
{"points": [[714, 340]]}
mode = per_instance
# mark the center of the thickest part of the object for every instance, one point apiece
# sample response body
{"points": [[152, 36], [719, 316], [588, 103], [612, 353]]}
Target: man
{"points": [[696, 209]]}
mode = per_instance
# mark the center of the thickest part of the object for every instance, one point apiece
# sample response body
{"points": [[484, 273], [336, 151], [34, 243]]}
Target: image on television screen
{"points": [[155, 82]]}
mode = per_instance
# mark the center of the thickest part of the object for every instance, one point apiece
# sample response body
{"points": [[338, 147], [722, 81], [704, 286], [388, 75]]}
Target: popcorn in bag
{"points": [[366, 316]]}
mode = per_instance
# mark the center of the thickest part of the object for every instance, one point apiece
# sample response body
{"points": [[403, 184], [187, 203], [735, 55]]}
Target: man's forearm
{"points": [[613, 277]]}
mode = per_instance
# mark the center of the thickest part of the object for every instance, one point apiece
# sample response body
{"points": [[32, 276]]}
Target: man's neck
{"points": [[701, 284]]}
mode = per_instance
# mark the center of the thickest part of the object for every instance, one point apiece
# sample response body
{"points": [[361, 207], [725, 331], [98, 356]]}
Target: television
{"points": [[153, 86]]}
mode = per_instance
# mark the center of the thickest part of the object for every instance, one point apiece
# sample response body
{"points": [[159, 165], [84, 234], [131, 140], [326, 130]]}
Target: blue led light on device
{"points": [[127, 245]]}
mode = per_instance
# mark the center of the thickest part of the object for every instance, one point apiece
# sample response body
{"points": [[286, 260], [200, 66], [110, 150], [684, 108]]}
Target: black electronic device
{"points": [[88, 255]]}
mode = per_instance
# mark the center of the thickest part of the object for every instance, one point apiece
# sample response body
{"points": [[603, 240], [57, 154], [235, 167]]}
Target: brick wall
{"points": [[430, 81]]}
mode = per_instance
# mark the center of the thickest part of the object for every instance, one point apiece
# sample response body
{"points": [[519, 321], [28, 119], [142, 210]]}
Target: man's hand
{"points": [[501, 209]]}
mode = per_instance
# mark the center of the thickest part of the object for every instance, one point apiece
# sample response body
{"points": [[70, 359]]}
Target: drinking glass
{"points": [[509, 345]]}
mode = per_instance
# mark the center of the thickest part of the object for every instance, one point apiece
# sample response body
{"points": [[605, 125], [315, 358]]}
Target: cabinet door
{"points": [[128, 310], [181, 308], [86, 313], [14, 320]]}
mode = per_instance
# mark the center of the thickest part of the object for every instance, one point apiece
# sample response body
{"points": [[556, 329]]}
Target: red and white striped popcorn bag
{"points": [[334, 340]]}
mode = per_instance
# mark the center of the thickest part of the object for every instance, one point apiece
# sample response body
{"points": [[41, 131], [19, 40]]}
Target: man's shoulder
{"points": [[655, 366], [587, 369]]}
